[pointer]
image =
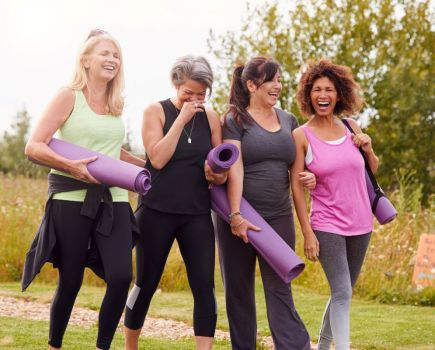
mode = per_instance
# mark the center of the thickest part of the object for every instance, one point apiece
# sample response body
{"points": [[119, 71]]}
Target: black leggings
{"points": [[195, 237], [73, 232]]}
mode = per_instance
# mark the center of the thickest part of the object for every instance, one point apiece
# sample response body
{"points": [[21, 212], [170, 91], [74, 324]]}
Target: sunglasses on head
{"points": [[95, 32]]}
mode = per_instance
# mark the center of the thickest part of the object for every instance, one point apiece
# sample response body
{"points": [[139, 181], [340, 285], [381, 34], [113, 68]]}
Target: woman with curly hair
{"points": [[339, 229]]}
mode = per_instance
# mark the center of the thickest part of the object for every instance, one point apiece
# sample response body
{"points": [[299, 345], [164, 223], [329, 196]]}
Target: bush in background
{"points": [[385, 277]]}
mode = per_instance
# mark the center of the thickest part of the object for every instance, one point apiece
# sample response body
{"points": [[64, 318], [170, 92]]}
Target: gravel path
{"points": [[154, 327]]}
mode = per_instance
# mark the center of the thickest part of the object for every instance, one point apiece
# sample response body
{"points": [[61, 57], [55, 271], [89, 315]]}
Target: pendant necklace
{"points": [[188, 135]]}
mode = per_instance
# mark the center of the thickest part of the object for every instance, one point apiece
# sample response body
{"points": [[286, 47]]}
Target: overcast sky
{"points": [[39, 41]]}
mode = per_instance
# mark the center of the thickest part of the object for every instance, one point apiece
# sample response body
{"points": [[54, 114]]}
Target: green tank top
{"points": [[100, 133]]}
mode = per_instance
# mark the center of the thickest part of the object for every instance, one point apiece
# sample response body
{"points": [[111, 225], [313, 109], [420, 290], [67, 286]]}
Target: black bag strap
{"points": [[378, 191]]}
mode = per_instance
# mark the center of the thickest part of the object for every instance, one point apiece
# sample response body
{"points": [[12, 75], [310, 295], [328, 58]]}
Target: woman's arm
{"points": [[160, 148], [239, 225], [365, 142], [130, 158], [311, 244], [216, 140], [56, 113]]}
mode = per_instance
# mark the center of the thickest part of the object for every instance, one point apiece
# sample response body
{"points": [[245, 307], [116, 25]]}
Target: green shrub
{"points": [[386, 274]]}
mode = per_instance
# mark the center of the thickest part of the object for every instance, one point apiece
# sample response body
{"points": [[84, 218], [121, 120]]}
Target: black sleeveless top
{"points": [[180, 187]]}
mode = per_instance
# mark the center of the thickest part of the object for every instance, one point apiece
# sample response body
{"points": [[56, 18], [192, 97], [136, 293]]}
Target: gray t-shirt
{"points": [[267, 157]]}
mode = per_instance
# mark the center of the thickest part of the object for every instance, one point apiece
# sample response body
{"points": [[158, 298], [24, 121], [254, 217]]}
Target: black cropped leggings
{"points": [[73, 232], [195, 237]]}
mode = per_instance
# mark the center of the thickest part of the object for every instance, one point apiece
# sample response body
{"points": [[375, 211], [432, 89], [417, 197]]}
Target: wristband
{"points": [[231, 215]]}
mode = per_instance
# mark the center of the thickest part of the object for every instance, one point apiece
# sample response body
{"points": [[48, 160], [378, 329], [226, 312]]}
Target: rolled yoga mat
{"points": [[110, 171], [222, 157], [383, 209], [267, 242]]}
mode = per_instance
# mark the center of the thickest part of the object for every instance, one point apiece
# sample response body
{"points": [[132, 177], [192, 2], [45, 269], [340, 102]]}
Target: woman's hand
{"points": [[311, 246], [189, 109], [215, 178], [364, 141], [240, 226], [79, 169], [307, 179]]}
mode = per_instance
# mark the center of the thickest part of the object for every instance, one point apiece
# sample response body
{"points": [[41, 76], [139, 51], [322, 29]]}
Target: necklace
{"points": [[188, 135]]}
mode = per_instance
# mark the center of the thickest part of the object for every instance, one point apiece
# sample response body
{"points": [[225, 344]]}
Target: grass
{"points": [[15, 334], [385, 277], [375, 326]]}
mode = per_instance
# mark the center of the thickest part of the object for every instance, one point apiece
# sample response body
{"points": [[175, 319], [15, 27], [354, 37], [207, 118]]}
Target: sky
{"points": [[39, 41]]}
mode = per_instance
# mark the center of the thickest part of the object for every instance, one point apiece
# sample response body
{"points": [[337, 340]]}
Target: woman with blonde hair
{"points": [[86, 113]]}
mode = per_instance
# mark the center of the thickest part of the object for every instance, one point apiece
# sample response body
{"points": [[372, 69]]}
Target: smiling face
{"points": [[103, 62], [191, 90], [268, 92], [323, 97]]}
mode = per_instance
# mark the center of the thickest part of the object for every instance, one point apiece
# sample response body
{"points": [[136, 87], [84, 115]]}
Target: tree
{"points": [[12, 158], [387, 43]]}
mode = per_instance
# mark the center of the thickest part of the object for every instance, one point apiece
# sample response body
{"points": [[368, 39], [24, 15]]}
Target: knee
{"points": [[70, 286], [119, 281], [343, 295]]}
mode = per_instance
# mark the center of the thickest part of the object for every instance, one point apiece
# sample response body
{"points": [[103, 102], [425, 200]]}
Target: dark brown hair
{"points": [[349, 93], [260, 70]]}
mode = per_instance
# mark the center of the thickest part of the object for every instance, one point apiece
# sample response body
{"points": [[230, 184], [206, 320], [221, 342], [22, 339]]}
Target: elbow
{"points": [[158, 165], [29, 149]]}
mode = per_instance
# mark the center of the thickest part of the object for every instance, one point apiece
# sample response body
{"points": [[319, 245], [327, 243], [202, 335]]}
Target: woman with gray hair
{"points": [[177, 135]]}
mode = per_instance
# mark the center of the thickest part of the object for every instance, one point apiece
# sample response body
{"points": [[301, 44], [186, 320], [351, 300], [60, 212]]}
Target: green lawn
{"points": [[374, 326], [31, 335]]}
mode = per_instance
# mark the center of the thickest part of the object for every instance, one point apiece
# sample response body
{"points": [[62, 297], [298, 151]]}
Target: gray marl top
{"points": [[267, 157]]}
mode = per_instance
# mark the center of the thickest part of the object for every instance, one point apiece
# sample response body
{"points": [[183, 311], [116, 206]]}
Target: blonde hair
{"points": [[115, 100]]}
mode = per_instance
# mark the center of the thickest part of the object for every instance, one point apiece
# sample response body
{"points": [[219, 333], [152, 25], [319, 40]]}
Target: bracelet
{"points": [[237, 225], [231, 215]]}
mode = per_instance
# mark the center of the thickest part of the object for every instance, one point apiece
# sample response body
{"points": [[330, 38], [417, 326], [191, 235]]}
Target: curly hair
{"points": [[349, 93]]}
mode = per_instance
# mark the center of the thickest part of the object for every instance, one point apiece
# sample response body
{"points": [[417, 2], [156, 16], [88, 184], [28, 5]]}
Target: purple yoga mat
{"points": [[110, 171], [384, 211], [222, 157], [267, 242]]}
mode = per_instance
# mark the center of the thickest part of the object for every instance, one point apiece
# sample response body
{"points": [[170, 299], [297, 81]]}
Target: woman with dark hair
{"points": [[77, 219], [338, 232], [262, 133], [177, 134]]}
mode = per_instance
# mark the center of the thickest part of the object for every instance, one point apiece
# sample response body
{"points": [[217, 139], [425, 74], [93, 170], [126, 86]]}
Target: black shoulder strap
{"points": [[378, 191]]}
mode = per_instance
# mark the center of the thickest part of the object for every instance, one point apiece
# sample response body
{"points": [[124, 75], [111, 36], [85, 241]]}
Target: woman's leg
{"points": [[355, 249], [72, 238], [237, 263], [288, 330], [115, 252], [333, 257], [197, 246], [156, 238]]}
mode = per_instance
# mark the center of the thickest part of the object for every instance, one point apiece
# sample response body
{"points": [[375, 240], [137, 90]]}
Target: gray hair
{"points": [[192, 68]]}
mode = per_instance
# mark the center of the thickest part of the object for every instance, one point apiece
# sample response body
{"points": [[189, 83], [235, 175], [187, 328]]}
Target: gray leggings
{"points": [[341, 258]]}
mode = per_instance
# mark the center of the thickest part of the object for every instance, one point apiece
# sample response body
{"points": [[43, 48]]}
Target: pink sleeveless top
{"points": [[339, 203]]}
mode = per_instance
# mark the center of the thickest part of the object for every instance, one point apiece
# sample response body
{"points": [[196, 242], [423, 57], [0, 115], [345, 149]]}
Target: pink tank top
{"points": [[339, 203]]}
